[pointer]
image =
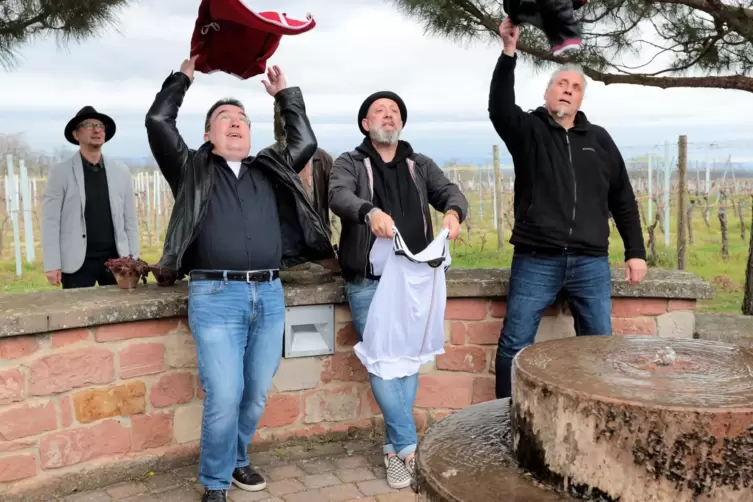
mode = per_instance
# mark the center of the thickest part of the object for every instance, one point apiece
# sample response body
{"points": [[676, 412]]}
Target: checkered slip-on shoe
{"points": [[397, 474]]}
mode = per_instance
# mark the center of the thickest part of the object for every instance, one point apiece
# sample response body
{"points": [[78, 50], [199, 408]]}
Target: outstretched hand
{"points": [[276, 81], [188, 66], [509, 33]]}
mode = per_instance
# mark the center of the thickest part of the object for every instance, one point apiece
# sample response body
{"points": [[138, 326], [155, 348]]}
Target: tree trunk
{"points": [[741, 214], [660, 215], [723, 222], [652, 258], [707, 213], [747, 307]]}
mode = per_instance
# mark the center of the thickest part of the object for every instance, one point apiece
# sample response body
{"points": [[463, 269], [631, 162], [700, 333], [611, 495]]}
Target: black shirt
{"points": [[100, 234], [396, 194], [241, 230]]}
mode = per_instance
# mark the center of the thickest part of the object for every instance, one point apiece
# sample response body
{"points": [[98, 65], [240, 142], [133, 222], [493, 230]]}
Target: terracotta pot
{"points": [[127, 281]]}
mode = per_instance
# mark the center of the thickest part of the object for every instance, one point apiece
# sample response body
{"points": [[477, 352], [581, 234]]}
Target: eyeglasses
{"points": [[92, 125], [230, 118]]}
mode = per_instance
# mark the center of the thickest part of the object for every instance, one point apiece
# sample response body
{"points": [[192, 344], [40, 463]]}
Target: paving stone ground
{"points": [[329, 472]]}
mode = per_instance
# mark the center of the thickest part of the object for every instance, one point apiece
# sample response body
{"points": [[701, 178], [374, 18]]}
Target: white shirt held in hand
{"points": [[405, 325]]}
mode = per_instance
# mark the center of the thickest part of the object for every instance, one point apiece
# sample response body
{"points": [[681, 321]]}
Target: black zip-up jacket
{"points": [[190, 174], [566, 181], [351, 195]]}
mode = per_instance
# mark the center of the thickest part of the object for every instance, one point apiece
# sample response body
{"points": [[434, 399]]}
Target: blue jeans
{"points": [[395, 397], [535, 282], [238, 328]]}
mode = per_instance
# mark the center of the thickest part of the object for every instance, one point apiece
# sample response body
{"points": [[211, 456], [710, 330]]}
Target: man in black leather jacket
{"points": [[237, 220]]}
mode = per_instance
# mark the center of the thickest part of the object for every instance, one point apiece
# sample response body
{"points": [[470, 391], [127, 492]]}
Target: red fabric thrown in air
{"points": [[230, 37]]}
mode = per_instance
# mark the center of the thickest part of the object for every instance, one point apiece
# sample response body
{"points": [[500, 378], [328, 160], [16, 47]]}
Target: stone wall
{"points": [[82, 395]]}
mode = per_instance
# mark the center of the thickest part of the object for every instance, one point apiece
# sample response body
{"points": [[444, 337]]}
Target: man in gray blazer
{"points": [[89, 209]]}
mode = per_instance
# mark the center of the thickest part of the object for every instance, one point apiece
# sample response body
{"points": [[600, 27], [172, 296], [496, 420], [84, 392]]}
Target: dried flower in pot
{"points": [[165, 276], [128, 271]]}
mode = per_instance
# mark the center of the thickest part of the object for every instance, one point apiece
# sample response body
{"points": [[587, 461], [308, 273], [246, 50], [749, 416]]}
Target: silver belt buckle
{"points": [[248, 276]]}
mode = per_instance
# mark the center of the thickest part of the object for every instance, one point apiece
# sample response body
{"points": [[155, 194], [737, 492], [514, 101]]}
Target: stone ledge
{"points": [[730, 328], [42, 312]]}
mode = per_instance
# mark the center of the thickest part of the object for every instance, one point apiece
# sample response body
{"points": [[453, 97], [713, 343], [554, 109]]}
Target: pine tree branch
{"points": [[719, 45]]}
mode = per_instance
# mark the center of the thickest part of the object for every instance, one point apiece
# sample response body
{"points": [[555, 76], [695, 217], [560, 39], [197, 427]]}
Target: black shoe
{"points": [[246, 478], [214, 496]]}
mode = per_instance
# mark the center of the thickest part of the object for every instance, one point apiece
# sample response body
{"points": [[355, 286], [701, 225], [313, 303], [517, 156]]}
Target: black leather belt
{"points": [[249, 276]]}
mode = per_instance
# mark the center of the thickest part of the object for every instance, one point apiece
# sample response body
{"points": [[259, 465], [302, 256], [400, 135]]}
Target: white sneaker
{"points": [[397, 473]]}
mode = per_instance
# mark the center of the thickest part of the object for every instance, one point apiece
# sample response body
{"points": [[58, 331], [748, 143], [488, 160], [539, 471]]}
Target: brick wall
{"points": [[74, 399]]}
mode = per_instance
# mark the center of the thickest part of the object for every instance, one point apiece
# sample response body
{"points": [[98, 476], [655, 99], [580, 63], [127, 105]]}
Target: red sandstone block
{"points": [[468, 309], [332, 405], [483, 390], [61, 449], [151, 431], [681, 305], [421, 419], [484, 332], [438, 415], [138, 329], [62, 372], [8, 446], [18, 346], [633, 326], [142, 359], [66, 411], [498, 309], [17, 467], [458, 333], [175, 388], [472, 359], [371, 407], [11, 386], [282, 409], [451, 390], [28, 420], [636, 307], [343, 367], [69, 337], [346, 336]]}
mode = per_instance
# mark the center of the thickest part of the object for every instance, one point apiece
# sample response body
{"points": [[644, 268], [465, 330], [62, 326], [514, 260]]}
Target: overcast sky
{"points": [[357, 47]]}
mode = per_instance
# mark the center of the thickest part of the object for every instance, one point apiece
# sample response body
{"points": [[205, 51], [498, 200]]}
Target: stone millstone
{"points": [[636, 419], [466, 457]]}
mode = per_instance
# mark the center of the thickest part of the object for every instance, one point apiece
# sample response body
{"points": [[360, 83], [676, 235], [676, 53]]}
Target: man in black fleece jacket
{"points": [[569, 176]]}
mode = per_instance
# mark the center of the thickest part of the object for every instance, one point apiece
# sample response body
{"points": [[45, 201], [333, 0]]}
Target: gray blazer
{"points": [[63, 224]]}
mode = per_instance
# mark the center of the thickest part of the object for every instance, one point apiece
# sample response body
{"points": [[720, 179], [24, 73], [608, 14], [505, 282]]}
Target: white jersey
{"points": [[405, 324]]}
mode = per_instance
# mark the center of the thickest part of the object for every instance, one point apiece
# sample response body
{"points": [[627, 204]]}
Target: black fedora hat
{"points": [[88, 112]]}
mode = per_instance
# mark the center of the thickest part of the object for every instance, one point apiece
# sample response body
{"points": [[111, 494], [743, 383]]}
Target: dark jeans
{"points": [[92, 272], [535, 282]]}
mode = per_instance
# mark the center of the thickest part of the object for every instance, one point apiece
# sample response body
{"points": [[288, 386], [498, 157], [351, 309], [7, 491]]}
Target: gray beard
{"points": [[384, 138]]}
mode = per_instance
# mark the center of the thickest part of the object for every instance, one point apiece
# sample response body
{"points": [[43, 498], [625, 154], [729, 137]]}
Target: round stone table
{"points": [[636, 418], [466, 457]]}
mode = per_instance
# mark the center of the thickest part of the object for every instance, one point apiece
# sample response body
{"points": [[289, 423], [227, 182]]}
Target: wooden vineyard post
{"points": [[682, 200]]}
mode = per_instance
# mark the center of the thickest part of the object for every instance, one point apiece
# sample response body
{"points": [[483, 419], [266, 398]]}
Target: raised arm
{"points": [[300, 140], [166, 143], [508, 119]]}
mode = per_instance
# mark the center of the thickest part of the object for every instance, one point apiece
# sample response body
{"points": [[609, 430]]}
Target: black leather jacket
{"points": [[190, 175]]}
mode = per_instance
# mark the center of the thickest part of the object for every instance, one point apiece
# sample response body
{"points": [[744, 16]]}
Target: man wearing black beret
{"points": [[383, 184]]}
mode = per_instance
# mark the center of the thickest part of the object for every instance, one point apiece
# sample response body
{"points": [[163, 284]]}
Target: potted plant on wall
{"points": [[128, 271]]}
